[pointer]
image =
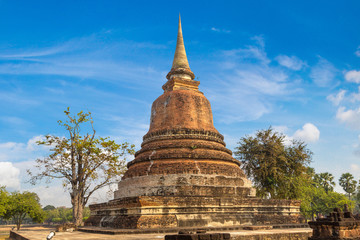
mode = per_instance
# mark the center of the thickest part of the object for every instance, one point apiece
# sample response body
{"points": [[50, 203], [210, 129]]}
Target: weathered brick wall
{"points": [[181, 166], [184, 185], [181, 108], [193, 211]]}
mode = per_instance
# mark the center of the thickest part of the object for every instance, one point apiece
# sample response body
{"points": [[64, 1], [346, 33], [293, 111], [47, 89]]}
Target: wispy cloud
{"points": [[357, 152], [253, 53], [337, 98], [17, 97], [125, 128], [348, 110], [350, 117], [96, 57], [293, 62], [247, 85], [18, 152], [12, 120], [355, 96], [219, 30], [323, 73], [357, 52]]}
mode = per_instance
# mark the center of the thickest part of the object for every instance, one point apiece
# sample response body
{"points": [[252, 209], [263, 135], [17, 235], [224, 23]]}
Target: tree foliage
{"points": [[4, 200], [22, 205], [85, 163], [317, 199], [326, 180], [48, 207], [348, 183], [276, 169]]}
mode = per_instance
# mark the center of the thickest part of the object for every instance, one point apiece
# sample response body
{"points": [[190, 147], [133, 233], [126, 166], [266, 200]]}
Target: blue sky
{"points": [[293, 65]]}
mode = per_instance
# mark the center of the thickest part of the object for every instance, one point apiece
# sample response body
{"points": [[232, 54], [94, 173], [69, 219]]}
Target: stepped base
{"points": [[149, 212]]}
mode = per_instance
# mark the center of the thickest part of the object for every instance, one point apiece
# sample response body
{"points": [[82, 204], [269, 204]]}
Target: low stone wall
{"points": [[259, 234], [275, 236], [17, 236]]}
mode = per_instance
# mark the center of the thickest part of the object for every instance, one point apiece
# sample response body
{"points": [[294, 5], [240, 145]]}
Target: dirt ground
{"points": [[5, 229]]}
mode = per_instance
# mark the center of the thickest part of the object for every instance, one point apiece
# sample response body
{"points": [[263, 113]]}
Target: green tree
{"points": [[50, 215], [316, 201], [347, 182], [276, 169], [4, 200], [22, 205], [326, 180], [86, 163], [48, 207]]}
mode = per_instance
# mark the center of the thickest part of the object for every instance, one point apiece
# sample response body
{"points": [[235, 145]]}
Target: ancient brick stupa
{"points": [[184, 176]]}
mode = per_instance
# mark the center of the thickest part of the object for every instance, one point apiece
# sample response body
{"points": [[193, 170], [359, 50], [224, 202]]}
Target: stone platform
{"points": [[272, 234], [147, 212]]}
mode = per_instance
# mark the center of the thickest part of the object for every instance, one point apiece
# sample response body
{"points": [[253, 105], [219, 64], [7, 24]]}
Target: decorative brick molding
{"points": [[184, 143], [183, 133]]}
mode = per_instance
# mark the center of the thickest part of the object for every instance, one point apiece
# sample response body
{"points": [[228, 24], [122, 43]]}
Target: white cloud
{"points": [[87, 57], [355, 168], [57, 196], [220, 30], [284, 129], [350, 117], [292, 62], [280, 129], [9, 176], [357, 149], [32, 143], [308, 133], [52, 195], [355, 97], [14, 152], [323, 73], [11, 120], [357, 52], [336, 99], [353, 76], [247, 85], [254, 52]]}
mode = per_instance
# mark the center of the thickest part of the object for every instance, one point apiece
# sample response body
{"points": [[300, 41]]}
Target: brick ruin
{"points": [[337, 225], [183, 175]]}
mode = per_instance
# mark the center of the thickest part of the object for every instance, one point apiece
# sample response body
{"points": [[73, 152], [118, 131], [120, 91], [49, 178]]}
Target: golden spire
{"points": [[180, 59], [180, 67]]}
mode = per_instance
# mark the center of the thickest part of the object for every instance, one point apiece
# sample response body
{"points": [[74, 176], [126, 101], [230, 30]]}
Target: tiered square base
{"points": [[147, 212]]}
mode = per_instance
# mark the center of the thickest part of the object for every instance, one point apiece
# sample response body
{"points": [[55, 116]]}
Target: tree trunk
{"points": [[18, 222], [78, 209]]}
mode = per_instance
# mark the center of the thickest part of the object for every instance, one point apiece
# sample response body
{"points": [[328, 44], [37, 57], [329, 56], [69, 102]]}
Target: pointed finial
{"points": [[180, 66], [180, 59]]}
